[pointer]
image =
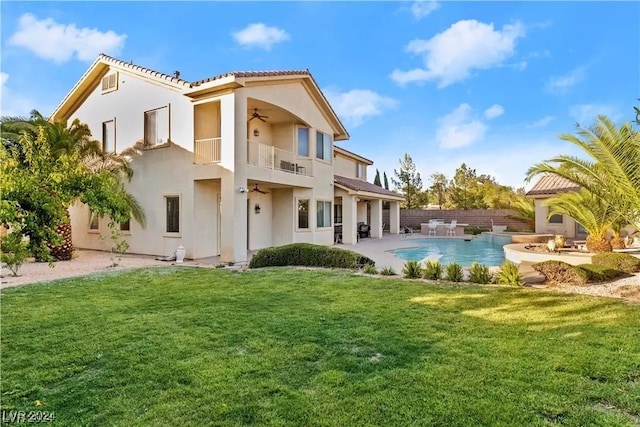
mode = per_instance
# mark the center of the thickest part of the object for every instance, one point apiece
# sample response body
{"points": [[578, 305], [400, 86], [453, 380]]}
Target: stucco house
{"points": [[548, 186], [231, 163]]}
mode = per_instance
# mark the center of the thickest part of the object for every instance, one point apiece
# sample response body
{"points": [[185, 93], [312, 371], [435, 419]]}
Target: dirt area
{"points": [[87, 262]]}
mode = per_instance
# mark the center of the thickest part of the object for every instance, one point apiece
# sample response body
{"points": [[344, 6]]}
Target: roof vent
{"points": [[176, 74]]}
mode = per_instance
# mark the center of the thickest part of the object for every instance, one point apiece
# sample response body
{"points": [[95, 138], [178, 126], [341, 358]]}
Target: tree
{"points": [[525, 211], [376, 180], [408, 181], [31, 148], [439, 187], [612, 171], [463, 188]]}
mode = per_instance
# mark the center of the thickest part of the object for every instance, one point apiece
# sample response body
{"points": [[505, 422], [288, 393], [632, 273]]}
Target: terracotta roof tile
{"points": [[552, 184], [241, 74], [358, 185], [148, 71]]}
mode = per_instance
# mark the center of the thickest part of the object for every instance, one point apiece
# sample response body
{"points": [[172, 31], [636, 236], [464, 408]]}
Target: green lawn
{"points": [[194, 347]]}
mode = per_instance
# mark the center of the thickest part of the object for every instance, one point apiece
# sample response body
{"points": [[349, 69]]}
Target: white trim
{"points": [[325, 227], [107, 79], [164, 198]]}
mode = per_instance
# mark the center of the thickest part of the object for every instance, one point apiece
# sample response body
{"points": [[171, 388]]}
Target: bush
{"points": [[307, 254], [617, 261], [370, 269], [411, 270], [433, 270], [599, 273], [388, 271], [479, 273], [509, 274], [475, 230], [13, 252], [454, 272], [561, 273]]}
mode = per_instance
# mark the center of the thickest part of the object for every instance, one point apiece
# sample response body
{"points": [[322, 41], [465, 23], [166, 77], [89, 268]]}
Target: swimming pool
{"points": [[485, 249]]}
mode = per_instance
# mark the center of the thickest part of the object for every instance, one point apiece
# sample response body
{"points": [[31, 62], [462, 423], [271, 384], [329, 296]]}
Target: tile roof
{"points": [[241, 74], [552, 184], [358, 185], [144, 70]]}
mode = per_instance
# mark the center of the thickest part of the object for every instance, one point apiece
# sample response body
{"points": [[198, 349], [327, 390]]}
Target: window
{"points": [[303, 214], [94, 221], [337, 214], [125, 225], [110, 83], [109, 136], [359, 170], [555, 219], [324, 214], [303, 142], [156, 126], [173, 214], [323, 146]]}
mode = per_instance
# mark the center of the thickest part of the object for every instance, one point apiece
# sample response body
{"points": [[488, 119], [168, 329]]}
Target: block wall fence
{"points": [[474, 217]]}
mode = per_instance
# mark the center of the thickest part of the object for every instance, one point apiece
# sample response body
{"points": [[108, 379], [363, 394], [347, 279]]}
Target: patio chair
{"points": [[406, 231], [433, 227], [451, 228]]}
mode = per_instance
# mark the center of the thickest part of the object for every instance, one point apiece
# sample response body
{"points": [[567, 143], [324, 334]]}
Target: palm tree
{"points": [[75, 142], [525, 212], [612, 172], [590, 212]]}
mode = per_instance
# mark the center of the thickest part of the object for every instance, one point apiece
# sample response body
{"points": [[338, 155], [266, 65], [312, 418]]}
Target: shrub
{"points": [[454, 272], [432, 270], [509, 274], [13, 252], [561, 273], [388, 271], [599, 273], [411, 270], [370, 269], [475, 230], [307, 254], [617, 261], [479, 273]]}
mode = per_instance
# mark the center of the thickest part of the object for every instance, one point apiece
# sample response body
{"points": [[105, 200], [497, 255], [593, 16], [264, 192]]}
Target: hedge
{"points": [[617, 261], [599, 273], [307, 254], [561, 273]]}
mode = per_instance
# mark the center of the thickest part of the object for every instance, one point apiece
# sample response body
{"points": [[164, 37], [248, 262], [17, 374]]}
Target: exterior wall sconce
{"points": [[256, 132], [257, 208]]}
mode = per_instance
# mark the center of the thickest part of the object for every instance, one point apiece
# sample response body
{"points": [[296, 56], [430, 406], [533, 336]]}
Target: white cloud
{"points": [[3, 79], [357, 105], [586, 114], [541, 123], [260, 35], [459, 128], [452, 55], [496, 110], [59, 42], [561, 84], [422, 8]]}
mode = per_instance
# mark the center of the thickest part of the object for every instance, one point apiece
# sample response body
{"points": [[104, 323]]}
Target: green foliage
{"points": [[454, 272], [617, 261], [370, 269], [376, 180], [479, 273], [307, 254], [388, 271], [438, 188], [525, 211], [407, 180], [599, 273], [432, 270], [475, 230], [558, 273], [13, 251], [509, 274], [411, 270]]}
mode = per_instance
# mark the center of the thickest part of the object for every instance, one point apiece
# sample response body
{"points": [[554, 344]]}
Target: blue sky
{"points": [[491, 84]]}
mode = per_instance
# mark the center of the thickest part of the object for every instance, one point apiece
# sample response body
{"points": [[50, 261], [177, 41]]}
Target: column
{"points": [[349, 219], [394, 217], [376, 219]]}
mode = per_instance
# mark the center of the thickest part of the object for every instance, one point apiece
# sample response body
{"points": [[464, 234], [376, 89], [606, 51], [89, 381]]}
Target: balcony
{"points": [[270, 157], [206, 151]]}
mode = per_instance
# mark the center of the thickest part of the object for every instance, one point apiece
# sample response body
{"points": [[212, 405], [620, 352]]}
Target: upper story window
{"points": [[156, 126], [359, 170], [323, 146], [109, 136], [303, 142], [110, 82]]}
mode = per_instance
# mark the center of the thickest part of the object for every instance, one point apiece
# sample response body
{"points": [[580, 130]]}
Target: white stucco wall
{"points": [[568, 226], [128, 104], [344, 166], [260, 224]]}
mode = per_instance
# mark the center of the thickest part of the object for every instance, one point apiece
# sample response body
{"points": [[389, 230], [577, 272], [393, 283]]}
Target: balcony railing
{"points": [[206, 151], [268, 156]]}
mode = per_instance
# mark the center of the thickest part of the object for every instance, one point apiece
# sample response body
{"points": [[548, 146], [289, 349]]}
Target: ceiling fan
{"points": [[257, 190], [258, 116]]}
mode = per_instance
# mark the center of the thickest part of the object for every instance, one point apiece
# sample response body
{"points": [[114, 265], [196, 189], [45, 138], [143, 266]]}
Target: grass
{"points": [[195, 347]]}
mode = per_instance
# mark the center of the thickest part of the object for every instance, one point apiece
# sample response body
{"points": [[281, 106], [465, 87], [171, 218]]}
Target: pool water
{"points": [[485, 249]]}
